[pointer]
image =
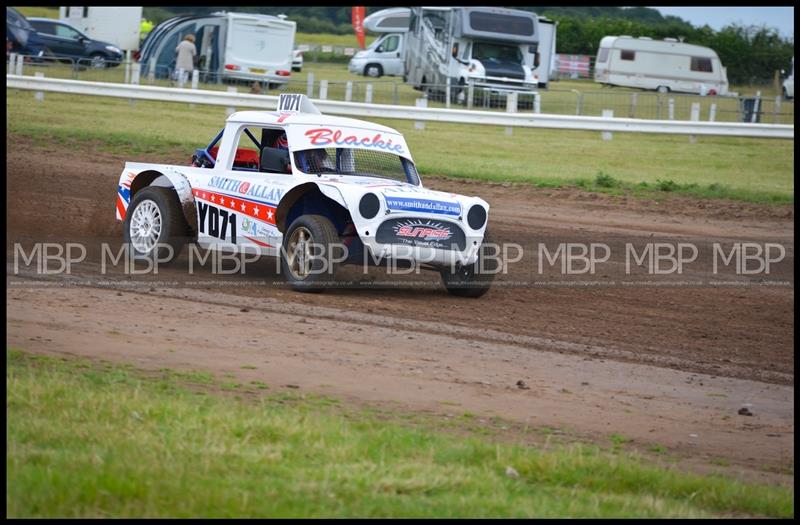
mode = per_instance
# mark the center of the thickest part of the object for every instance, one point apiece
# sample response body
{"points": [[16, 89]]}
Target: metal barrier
{"points": [[495, 118]]}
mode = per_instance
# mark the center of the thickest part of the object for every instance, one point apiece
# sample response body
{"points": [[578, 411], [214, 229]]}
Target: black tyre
{"points": [[98, 61], [472, 280], [154, 227], [310, 254], [373, 70]]}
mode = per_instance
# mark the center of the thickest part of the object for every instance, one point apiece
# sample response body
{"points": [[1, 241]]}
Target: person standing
{"points": [[184, 63]]}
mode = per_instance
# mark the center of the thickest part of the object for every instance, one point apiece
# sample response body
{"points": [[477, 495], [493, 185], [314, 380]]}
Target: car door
{"points": [[61, 39], [389, 55], [237, 204]]}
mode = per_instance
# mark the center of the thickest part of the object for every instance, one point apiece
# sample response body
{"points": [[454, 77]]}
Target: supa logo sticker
{"points": [[427, 231]]}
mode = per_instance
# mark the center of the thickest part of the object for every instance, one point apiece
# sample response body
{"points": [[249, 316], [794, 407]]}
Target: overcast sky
{"points": [[781, 18]]}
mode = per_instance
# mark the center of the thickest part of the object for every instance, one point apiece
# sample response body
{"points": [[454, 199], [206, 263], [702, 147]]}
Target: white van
{"points": [[385, 55], [661, 65]]}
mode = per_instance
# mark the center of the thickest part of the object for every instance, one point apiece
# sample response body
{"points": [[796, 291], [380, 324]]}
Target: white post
{"points": [[695, 116], [633, 105], [195, 78], [230, 109], [712, 112], [368, 94], [607, 135], [323, 89], [777, 109], [447, 94], [136, 71], [12, 63], [421, 103], [672, 109], [310, 85], [18, 66], [756, 108], [39, 95], [537, 103], [511, 107], [151, 71], [128, 66], [470, 94], [348, 91]]}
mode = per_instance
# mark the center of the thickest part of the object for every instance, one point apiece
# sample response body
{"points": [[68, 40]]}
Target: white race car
{"points": [[341, 191]]}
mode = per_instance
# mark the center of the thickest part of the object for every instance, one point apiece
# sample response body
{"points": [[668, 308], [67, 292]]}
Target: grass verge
{"points": [[93, 440], [754, 170]]}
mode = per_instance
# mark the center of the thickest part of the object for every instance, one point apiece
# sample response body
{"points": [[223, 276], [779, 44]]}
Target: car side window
{"points": [[46, 29], [66, 32], [390, 44]]}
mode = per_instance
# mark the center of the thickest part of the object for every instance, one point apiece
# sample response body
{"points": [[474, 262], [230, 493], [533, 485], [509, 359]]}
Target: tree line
{"points": [[751, 54]]}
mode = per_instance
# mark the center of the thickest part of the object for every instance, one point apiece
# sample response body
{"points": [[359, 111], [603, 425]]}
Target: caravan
{"points": [[386, 55], [229, 46], [661, 65]]}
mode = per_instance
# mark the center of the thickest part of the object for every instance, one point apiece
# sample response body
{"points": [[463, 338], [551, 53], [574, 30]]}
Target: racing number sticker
{"points": [[215, 221], [288, 102]]}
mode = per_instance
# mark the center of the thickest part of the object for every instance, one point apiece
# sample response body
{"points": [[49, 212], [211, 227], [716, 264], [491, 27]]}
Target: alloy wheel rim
{"points": [[145, 226]]}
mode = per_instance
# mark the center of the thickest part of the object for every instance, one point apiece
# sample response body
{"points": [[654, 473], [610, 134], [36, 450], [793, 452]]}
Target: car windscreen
{"points": [[356, 162], [486, 51]]}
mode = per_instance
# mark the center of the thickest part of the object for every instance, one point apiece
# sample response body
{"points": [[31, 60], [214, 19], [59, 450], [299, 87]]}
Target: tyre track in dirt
{"points": [[746, 331], [665, 365]]}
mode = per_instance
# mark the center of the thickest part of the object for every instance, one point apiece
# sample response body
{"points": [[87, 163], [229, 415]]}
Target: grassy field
{"points": [[99, 440], [749, 169]]}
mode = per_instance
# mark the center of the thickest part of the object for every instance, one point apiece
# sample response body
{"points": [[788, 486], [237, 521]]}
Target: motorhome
{"points": [[661, 65], [118, 25], [229, 46], [386, 55]]}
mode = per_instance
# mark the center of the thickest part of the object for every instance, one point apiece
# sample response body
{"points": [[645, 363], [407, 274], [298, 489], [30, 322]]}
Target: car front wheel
{"points": [[472, 280], [311, 253], [373, 70]]}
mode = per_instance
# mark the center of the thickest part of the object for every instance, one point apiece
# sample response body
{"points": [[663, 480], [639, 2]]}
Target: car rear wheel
{"points": [[155, 228], [472, 280], [311, 253], [662, 89]]}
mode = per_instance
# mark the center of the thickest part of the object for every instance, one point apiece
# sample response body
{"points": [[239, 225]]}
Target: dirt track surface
{"points": [[667, 365]]}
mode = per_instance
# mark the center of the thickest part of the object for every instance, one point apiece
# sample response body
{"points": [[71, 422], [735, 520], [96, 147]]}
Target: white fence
{"points": [[419, 114]]}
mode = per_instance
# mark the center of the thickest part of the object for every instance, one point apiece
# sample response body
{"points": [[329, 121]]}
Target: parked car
{"points": [[297, 60], [788, 84], [20, 34], [60, 39], [314, 190]]}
